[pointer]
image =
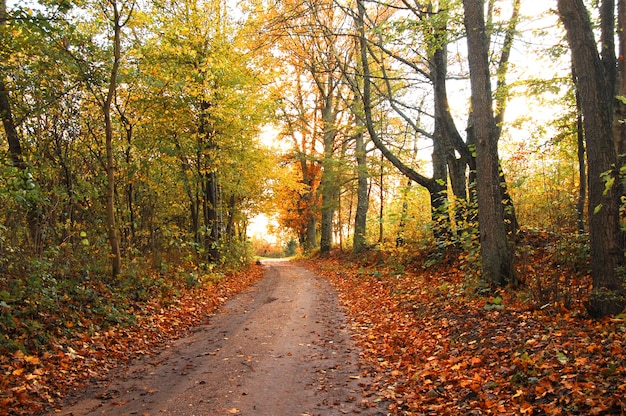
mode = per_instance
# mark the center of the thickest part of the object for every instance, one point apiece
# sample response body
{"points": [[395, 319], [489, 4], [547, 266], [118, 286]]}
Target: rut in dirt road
{"points": [[281, 348]]}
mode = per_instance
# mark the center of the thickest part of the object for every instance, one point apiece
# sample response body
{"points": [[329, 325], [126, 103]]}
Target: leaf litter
{"points": [[446, 349]]}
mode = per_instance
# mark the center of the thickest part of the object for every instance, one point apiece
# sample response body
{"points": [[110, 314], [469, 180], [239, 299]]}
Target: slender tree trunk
{"points": [[116, 255], [212, 220], [329, 175], [381, 212], [596, 87], [230, 223], [620, 109], [362, 204], [130, 193], [497, 259], [404, 213]]}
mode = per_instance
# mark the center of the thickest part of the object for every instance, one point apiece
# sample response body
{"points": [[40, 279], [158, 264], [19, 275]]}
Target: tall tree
{"points": [[437, 185], [496, 254], [15, 148], [596, 78], [359, 240], [8, 122], [118, 14]]}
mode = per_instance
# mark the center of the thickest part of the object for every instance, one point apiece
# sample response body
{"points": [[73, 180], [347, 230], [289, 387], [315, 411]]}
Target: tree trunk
{"points": [[596, 101], [15, 148], [311, 233], [582, 166], [435, 187], [116, 255], [620, 107], [211, 219], [497, 259], [329, 174], [360, 217]]}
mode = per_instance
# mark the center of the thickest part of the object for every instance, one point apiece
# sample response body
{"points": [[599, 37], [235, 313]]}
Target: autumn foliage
{"points": [[444, 345], [79, 350]]}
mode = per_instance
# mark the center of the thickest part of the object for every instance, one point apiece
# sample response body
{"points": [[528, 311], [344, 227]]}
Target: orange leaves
{"points": [[31, 383], [442, 352]]}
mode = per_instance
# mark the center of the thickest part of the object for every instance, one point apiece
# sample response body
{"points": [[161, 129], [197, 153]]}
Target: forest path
{"points": [[281, 348]]}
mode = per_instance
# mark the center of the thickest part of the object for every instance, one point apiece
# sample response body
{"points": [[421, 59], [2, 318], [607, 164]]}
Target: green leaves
{"points": [[495, 303]]}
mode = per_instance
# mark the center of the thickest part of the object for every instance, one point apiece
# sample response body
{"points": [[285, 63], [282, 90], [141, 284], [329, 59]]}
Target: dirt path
{"points": [[280, 349]]}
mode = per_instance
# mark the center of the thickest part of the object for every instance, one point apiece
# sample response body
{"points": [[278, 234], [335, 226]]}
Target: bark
{"points": [[15, 148], [497, 264], [308, 235], [33, 215], [582, 166], [445, 127], [210, 200], [329, 174], [501, 98], [10, 129], [211, 216], [620, 107], [596, 101], [360, 217], [116, 255]]}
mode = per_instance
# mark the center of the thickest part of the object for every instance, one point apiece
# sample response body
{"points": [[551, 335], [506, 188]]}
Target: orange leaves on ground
{"points": [[30, 384], [447, 351]]}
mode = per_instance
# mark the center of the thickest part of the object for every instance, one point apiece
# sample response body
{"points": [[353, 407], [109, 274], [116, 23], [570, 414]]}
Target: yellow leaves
{"points": [[32, 360]]}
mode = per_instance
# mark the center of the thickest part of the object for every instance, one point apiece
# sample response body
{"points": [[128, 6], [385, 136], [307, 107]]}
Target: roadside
{"points": [[281, 347]]}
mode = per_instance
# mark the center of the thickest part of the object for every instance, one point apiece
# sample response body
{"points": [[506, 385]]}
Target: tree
{"points": [[596, 84], [360, 217], [497, 256], [13, 138], [313, 50], [118, 16], [437, 185]]}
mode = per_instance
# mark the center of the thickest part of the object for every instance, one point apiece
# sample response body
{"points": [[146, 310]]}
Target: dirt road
{"points": [[282, 348]]}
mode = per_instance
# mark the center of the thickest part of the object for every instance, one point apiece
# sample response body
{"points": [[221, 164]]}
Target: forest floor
{"points": [[447, 345], [377, 335]]}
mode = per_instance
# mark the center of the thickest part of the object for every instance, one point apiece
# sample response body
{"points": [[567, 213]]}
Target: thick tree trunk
{"points": [[596, 86], [311, 233], [497, 259]]}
